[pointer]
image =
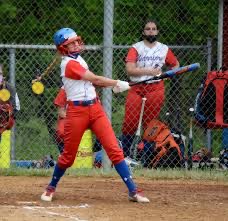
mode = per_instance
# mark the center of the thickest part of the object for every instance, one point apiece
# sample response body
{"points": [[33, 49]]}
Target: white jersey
{"points": [[76, 88], [149, 57]]}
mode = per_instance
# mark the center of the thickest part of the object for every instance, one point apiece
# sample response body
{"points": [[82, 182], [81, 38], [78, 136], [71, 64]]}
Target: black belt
{"points": [[83, 103]]}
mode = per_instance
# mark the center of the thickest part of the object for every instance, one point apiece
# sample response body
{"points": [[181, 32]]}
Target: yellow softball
{"points": [[38, 87], [4, 94]]}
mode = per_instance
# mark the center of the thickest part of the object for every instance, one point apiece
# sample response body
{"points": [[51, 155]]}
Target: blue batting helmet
{"points": [[63, 35]]}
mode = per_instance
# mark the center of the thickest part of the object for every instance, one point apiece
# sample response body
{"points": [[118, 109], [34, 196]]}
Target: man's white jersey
{"points": [[149, 57]]}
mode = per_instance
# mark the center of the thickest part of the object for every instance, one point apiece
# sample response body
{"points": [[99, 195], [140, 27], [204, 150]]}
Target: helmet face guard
{"points": [[64, 37]]}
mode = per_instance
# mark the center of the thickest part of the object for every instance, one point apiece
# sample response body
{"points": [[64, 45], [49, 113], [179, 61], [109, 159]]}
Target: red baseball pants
{"points": [[80, 118], [155, 94]]}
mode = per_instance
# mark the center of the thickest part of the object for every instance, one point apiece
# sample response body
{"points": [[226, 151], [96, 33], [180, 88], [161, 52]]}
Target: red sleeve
{"points": [[74, 70], [132, 55], [60, 99], [170, 59]]}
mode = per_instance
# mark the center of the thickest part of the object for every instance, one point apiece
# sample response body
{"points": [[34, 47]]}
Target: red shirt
{"points": [[60, 99]]}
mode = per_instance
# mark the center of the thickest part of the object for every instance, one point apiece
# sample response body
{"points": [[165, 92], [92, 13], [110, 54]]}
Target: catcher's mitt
{"points": [[6, 117]]}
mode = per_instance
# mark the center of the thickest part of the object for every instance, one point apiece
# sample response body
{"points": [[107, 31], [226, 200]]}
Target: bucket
{"points": [[84, 158], [5, 149]]}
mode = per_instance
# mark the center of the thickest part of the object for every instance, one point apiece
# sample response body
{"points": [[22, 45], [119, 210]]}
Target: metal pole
{"points": [[220, 34], [107, 63], [209, 54], [12, 64], [209, 61], [108, 54]]}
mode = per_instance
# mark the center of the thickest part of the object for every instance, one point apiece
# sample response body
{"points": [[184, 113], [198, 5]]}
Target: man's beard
{"points": [[150, 38]]}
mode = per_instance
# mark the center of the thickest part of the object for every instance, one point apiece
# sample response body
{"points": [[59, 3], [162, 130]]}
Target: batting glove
{"points": [[121, 86]]}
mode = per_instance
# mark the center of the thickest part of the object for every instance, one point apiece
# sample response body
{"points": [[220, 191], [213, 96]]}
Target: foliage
{"points": [[34, 22]]}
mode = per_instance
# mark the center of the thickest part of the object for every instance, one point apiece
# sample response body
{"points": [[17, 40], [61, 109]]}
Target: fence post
{"points": [[209, 60], [107, 64], [220, 34], [12, 64]]}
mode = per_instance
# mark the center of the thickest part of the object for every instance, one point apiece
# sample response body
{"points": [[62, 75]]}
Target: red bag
{"points": [[211, 106]]}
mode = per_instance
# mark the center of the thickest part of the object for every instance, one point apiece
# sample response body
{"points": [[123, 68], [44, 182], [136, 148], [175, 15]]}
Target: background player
{"points": [[145, 59], [9, 107]]}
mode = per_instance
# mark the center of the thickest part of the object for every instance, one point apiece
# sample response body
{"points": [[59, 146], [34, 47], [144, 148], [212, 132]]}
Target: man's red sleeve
{"points": [[171, 59], [132, 55]]}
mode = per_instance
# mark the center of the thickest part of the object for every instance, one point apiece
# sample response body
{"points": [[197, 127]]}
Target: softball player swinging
{"points": [[85, 111]]}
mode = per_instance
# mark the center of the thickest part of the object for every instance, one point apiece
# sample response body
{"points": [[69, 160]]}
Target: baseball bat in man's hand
{"points": [[171, 73]]}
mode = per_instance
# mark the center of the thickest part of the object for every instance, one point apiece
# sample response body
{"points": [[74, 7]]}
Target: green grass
{"points": [[154, 174], [194, 174]]}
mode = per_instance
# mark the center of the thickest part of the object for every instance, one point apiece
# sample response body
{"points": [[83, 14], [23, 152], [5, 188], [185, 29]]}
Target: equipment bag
{"points": [[158, 148], [211, 104]]}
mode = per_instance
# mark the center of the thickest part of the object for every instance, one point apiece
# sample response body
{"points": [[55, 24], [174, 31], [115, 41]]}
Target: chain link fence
{"points": [[108, 28]]}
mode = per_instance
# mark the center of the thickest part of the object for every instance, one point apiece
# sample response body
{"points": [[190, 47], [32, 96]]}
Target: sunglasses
{"points": [[153, 29]]}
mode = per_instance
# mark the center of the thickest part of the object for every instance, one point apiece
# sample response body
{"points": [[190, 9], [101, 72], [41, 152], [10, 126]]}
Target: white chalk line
{"points": [[42, 209], [54, 207]]}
